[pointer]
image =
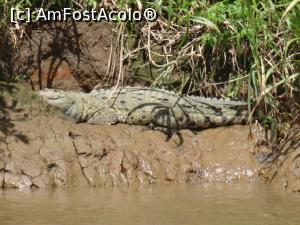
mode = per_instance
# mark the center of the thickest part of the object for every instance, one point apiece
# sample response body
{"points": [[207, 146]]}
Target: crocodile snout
{"points": [[57, 98]]}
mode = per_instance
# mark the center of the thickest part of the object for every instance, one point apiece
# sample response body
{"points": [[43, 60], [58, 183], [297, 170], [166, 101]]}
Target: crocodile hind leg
{"points": [[103, 116]]}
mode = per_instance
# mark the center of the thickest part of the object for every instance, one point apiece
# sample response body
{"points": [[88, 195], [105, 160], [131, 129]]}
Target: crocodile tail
{"points": [[69, 102]]}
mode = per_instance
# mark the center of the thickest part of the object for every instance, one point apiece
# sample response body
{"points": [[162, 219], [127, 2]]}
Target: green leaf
{"points": [[205, 22]]}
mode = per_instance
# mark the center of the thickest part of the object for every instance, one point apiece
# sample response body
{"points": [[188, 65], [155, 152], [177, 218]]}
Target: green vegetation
{"points": [[232, 48], [244, 49]]}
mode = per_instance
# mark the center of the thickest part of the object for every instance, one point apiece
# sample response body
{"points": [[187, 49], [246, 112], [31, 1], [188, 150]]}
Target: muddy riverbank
{"points": [[40, 148]]}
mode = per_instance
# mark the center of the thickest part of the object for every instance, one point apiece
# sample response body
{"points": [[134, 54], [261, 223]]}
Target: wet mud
{"points": [[40, 148], [61, 153], [287, 177]]}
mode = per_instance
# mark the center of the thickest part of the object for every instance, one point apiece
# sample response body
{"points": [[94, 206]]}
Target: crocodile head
{"points": [[70, 103]]}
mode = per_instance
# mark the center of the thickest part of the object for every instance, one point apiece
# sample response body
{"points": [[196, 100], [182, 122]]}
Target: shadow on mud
{"points": [[6, 125], [60, 40], [67, 55]]}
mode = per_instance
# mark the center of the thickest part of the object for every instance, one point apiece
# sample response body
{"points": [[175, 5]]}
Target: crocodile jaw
{"points": [[57, 98], [67, 102]]}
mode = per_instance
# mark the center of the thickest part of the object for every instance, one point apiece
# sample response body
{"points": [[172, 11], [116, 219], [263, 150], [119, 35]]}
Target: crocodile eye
{"points": [[192, 123]]}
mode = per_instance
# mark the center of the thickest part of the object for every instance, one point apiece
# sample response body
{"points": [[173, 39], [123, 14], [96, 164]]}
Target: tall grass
{"points": [[248, 49]]}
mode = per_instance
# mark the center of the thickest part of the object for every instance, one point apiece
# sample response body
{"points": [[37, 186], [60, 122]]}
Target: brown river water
{"points": [[226, 204]]}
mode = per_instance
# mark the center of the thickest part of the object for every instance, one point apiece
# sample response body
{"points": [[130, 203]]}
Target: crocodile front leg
{"points": [[103, 116]]}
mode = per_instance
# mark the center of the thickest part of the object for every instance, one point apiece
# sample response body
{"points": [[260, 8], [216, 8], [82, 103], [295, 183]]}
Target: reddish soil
{"points": [[67, 55]]}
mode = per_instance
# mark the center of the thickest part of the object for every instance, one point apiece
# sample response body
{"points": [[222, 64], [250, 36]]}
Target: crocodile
{"points": [[147, 106]]}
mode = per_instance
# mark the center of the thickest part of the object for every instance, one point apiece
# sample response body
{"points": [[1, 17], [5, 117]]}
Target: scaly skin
{"points": [[144, 106]]}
